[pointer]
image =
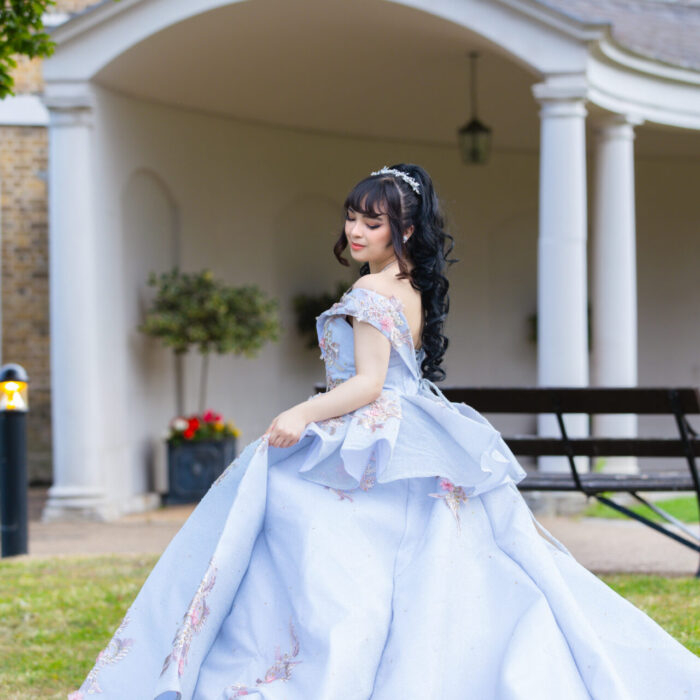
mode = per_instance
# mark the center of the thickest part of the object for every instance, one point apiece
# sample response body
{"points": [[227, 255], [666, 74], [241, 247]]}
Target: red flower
{"points": [[193, 423], [189, 434], [209, 416]]}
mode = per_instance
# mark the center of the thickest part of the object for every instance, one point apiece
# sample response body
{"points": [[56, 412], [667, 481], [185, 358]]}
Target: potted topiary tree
{"points": [[197, 310]]}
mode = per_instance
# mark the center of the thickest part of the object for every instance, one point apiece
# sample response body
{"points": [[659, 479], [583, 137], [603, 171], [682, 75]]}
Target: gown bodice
{"points": [[387, 314], [377, 442]]}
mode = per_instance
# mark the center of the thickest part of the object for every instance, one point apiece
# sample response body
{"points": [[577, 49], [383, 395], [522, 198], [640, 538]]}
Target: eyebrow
{"points": [[367, 216]]}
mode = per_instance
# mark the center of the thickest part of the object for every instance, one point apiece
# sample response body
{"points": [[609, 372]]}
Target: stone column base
{"points": [[63, 507]]}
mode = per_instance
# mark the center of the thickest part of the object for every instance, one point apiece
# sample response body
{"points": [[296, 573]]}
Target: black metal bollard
{"points": [[13, 459]]}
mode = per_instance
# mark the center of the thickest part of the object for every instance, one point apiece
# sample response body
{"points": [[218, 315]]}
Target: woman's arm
{"points": [[372, 351]]}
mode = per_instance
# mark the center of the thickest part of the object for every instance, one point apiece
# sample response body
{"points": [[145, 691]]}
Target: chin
{"points": [[358, 255]]}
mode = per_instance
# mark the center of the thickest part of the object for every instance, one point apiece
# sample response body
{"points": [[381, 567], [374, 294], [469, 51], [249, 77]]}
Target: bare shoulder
{"points": [[402, 289], [390, 286], [374, 283]]}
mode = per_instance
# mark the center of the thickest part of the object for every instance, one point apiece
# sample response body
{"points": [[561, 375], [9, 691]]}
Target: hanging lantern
{"points": [[474, 138]]}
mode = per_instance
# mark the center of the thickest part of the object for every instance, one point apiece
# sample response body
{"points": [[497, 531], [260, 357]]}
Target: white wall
{"points": [[261, 205]]}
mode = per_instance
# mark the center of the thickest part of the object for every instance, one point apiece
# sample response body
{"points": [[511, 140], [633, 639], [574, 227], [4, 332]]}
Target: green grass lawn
{"points": [[58, 614], [685, 508]]}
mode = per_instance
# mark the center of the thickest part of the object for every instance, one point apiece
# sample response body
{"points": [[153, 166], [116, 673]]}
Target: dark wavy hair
{"points": [[426, 248]]}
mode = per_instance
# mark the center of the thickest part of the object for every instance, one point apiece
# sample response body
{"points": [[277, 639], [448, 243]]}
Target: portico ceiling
{"points": [[365, 68]]}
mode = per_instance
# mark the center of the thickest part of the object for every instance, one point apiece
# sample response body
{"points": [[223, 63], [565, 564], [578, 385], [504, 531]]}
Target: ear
{"points": [[409, 231]]}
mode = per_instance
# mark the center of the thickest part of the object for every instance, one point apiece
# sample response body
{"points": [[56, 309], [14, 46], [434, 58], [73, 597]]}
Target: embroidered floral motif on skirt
{"points": [[453, 496], [192, 622], [115, 651], [281, 669]]}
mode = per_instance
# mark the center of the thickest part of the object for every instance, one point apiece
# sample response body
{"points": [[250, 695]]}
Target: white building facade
{"points": [[225, 135]]}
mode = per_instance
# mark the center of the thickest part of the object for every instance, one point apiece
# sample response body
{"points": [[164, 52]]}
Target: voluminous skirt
{"points": [[279, 587]]}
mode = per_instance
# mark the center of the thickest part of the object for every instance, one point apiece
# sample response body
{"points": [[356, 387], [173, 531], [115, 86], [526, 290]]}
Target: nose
{"points": [[350, 229]]}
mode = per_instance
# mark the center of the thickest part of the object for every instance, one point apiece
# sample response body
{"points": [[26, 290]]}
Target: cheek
{"points": [[381, 237]]}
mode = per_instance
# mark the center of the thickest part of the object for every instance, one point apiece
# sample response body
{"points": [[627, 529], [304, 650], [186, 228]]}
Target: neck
{"points": [[382, 266]]}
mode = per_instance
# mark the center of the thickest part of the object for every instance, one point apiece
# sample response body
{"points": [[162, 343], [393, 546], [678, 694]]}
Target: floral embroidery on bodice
{"points": [[335, 335]]}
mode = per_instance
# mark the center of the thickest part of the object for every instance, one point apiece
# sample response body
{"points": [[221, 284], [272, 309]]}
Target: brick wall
{"points": [[25, 291], [25, 263], [73, 5], [27, 76]]}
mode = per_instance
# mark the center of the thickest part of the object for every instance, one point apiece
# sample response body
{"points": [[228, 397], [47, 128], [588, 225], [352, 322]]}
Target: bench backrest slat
{"points": [[642, 400], [531, 446]]}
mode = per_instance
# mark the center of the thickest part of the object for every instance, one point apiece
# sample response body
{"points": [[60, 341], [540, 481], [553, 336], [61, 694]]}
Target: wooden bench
{"points": [[676, 402]]}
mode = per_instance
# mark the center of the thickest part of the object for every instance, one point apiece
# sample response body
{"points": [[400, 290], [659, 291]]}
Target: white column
{"points": [[614, 275], [562, 329], [74, 301]]}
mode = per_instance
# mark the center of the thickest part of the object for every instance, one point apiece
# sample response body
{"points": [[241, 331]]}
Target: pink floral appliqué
{"points": [[330, 425], [342, 495], [386, 313], [330, 349], [281, 669], [369, 477], [453, 497], [115, 651], [226, 471], [374, 415], [192, 621], [264, 443], [332, 382]]}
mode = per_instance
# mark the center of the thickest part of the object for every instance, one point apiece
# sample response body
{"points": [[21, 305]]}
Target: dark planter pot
{"points": [[194, 466]]}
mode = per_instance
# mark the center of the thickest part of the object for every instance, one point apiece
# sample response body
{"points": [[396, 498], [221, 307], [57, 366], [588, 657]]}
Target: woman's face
{"points": [[369, 237]]}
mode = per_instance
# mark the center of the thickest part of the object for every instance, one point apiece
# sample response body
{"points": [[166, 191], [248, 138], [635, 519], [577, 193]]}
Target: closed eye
{"points": [[368, 225]]}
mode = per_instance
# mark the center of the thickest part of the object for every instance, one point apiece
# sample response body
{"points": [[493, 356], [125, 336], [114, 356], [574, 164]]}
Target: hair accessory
{"points": [[412, 182]]}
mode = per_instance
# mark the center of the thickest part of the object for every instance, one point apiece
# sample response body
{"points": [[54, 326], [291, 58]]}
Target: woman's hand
{"points": [[286, 429]]}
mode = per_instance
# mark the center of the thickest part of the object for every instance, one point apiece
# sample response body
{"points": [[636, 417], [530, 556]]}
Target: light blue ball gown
{"points": [[387, 555]]}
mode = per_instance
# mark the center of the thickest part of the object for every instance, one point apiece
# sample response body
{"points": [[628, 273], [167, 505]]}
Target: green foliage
{"points": [[308, 306], [197, 310], [21, 33]]}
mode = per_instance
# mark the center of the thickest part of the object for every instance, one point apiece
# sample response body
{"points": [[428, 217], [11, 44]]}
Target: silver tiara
{"points": [[412, 182]]}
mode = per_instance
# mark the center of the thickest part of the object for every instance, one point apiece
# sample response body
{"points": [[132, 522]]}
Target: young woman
{"points": [[372, 543]]}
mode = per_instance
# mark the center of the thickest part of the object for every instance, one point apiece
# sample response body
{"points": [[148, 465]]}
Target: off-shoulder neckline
{"points": [[401, 308]]}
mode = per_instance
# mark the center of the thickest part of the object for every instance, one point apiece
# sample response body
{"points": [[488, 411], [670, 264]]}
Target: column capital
{"points": [[69, 104], [562, 95], [616, 126]]}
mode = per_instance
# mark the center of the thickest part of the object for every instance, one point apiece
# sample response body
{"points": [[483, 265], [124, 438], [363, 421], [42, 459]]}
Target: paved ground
{"points": [[601, 545]]}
